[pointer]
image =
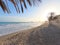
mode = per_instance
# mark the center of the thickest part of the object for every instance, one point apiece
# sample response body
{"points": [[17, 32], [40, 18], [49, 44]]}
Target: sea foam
{"points": [[14, 27]]}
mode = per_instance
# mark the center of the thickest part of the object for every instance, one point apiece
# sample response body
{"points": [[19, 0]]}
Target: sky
{"points": [[32, 14]]}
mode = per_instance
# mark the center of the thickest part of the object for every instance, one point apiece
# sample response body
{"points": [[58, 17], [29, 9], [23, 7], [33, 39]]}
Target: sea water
{"points": [[11, 27]]}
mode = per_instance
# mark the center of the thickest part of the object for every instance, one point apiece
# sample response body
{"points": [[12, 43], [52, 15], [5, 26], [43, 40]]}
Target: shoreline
{"points": [[46, 34], [27, 28], [17, 35]]}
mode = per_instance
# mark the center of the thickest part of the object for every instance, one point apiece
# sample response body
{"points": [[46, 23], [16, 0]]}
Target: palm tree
{"points": [[5, 7]]}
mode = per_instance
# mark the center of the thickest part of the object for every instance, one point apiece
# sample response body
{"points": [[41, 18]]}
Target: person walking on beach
{"points": [[51, 16]]}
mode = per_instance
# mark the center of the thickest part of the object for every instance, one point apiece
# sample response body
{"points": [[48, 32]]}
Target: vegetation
{"points": [[5, 7]]}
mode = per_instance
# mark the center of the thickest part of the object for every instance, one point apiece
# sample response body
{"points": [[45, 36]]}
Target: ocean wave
{"points": [[10, 28]]}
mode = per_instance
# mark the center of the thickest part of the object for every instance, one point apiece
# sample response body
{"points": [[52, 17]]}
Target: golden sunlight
{"points": [[47, 9]]}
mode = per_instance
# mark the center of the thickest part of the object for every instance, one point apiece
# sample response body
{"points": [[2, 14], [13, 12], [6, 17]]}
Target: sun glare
{"points": [[46, 10]]}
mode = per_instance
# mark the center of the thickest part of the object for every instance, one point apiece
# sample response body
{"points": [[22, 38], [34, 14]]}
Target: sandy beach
{"points": [[46, 34], [29, 22]]}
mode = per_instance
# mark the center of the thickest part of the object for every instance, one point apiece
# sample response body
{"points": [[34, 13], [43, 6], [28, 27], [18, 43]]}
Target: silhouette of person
{"points": [[51, 16]]}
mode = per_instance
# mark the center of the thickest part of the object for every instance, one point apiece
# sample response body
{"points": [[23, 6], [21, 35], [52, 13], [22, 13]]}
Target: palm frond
{"points": [[5, 6]]}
